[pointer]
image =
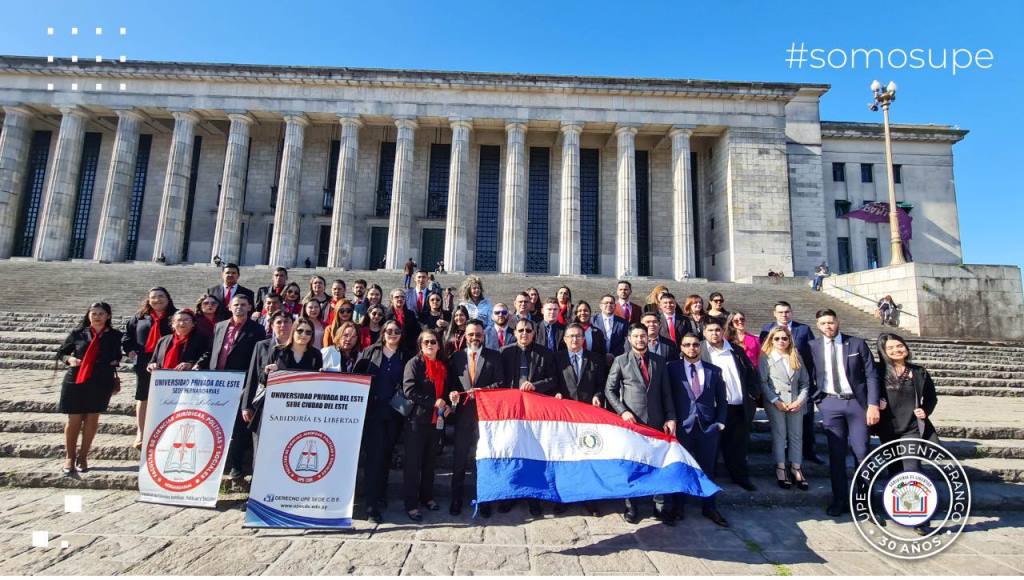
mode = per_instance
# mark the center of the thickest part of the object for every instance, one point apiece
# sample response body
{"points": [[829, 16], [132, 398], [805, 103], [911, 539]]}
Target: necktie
{"points": [[472, 369], [643, 371], [576, 366], [419, 300], [694, 381], [671, 328], [836, 388], [501, 336], [228, 295], [627, 310], [551, 337]]}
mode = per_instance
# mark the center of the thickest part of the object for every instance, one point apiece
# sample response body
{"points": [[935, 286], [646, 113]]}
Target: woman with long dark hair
{"points": [[208, 310], [311, 312], [291, 300], [433, 316], [566, 311], [736, 333], [143, 331], [91, 352], [455, 337], [424, 384], [298, 354], [373, 323], [385, 362]]}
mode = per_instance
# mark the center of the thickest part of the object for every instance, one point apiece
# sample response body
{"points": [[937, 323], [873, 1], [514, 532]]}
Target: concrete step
{"points": [[979, 392], [978, 469], [953, 374], [27, 422], [969, 366]]}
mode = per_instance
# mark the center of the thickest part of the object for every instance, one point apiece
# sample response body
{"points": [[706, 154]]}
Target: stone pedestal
{"points": [[625, 203], [683, 265], [53, 242], [513, 217], [284, 245], [227, 237], [15, 142], [112, 234], [344, 217], [569, 263], [170, 229], [458, 189], [400, 221]]}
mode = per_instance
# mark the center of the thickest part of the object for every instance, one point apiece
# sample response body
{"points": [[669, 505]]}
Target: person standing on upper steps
{"points": [[143, 331]]}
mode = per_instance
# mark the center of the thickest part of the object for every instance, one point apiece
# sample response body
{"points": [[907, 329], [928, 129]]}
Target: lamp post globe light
{"points": [[883, 99]]}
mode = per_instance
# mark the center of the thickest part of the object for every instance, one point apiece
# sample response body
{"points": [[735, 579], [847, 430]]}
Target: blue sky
{"points": [[709, 40]]}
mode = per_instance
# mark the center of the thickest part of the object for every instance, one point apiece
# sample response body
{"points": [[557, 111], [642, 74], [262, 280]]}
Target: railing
{"points": [[872, 302]]}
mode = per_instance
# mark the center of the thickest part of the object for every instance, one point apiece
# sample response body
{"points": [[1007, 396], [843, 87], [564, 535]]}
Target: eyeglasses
{"points": [[305, 332], [574, 336], [429, 342], [376, 313], [345, 311], [210, 303], [501, 312], [524, 330], [398, 298], [716, 299], [739, 320], [392, 332], [691, 345], [780, 339]]}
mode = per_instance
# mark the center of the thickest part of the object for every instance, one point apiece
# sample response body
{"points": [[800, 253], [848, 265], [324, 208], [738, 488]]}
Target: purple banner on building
{"points": [[878, 212]]}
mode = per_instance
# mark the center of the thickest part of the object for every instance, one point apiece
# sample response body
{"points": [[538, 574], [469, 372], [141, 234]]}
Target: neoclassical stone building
{"points": [[355, 168]]}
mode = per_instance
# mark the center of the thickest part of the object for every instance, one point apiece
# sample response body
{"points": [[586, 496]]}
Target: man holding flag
{"points": [[638, 390]]}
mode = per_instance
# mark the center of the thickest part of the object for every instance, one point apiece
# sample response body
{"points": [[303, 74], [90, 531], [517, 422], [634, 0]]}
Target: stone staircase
{"points": [[980, 415]]}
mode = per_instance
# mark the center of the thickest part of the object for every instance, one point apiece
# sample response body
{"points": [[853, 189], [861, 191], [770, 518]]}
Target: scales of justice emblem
{"points": [[184, 450], [308, 456]]}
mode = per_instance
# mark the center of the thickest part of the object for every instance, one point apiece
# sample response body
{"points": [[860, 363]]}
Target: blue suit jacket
{"points": [[618, 335], [491, 337], [860, 368], [706, 410]]}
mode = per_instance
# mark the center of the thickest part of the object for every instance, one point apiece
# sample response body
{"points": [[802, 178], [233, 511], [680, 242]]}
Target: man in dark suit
{"points": [[613, 327], [234, 341], [280, 280], [227, 290], [522, 308], [638, 390], [499, 333], [673, 327], [802, 337], [475, 367], [657, 343], [742, 385], [549, 331], [416, 297], [847, 391], [252, 397], [528, 367], [406, 318], [624, 309], [700, 397]]}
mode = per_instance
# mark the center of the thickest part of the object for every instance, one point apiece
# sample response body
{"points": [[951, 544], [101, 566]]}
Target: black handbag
{"points": [[401, 404]]}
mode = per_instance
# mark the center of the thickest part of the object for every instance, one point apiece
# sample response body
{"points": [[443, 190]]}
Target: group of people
{"points": [[695, 371]]}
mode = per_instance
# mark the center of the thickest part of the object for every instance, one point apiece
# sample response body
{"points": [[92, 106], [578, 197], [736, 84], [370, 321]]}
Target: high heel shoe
{"points": [[82, 465], [67, 469], [798, 477], [783, 481]]}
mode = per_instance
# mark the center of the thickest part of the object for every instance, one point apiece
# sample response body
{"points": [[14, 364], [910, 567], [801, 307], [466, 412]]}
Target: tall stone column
{"points": [[400, 221], [682, 211], [227, 236], [458, 189], [343, 220], [170, 229], [53, 241], [625, 202], [513, 219], [284, 246], [15, 141], [112, 234], [569, 237]]}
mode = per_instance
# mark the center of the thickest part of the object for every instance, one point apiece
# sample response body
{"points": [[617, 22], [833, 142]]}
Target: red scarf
{"points": [[89, 359], [562, 311], [437, 373], [154, 330], [174, 354], [400, 316], [331, 312]]}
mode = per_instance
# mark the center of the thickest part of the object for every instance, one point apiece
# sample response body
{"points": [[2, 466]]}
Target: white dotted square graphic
{"points": [[123, 58], [74, 86], [124, 87], [49, 31], [99, 58], [72, 503], [99, 31], [64, 545], [40, 539], [49, 58], [74, 31], [74, 58], [123, 31], [99, 86], [49, 86]]}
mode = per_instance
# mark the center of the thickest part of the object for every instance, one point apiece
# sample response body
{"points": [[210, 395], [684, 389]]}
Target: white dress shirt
{"points": [[844, 383], [722, 358]]}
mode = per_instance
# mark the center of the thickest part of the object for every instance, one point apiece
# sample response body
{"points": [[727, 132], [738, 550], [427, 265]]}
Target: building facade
{"points": [[365, 168]]}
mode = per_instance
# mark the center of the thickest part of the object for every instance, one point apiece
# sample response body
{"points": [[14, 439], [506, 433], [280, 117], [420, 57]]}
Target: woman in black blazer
{"points": [[182, 349], [150, 323], [91, 352], [298, 354], [423, 384]]}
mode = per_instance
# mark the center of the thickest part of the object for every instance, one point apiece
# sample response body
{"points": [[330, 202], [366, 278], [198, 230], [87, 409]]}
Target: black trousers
{"points": [[418, 467], [734, 442], [241, 444], [809, 431], [466, 434], [383, 427]]}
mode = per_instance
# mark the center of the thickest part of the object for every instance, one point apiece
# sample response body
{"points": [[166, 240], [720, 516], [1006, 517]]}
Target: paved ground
{"points": [[114, 534]]}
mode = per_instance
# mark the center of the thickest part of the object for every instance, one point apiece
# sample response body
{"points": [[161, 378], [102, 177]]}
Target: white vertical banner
{"points": [[304, 473], [189, 421]]}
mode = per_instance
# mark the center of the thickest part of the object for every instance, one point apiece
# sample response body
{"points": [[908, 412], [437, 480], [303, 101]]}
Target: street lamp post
{"points": [[884, 99]]}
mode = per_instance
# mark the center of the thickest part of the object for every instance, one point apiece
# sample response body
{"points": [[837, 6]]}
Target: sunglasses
{"points": [[429, 342], [501, 312], [780, 339], [524, 330], [345, 311], [716, 299], [305, 332], [691, 345], [393, 332]]}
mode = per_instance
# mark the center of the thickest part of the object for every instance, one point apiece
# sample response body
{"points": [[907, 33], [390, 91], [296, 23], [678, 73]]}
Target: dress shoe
{"points": [[233, 474], [455, 508], [665, 517], [631, 517], [432, 505], [373, 515], [715, 517], [505, 506], [837, 509], [485, 510], [746, 484], [415, 515]]}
